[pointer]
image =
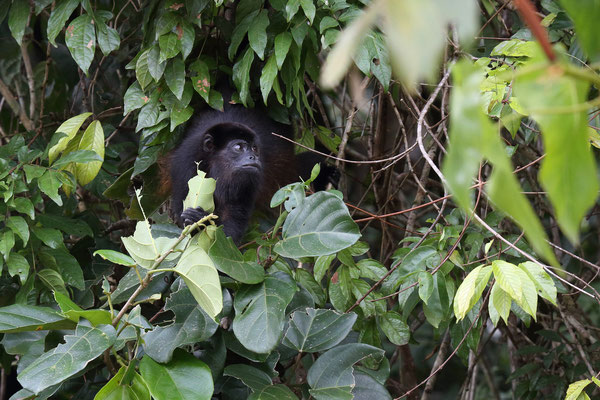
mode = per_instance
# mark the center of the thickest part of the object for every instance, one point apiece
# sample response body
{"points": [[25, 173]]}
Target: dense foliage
{"points": [[456, 258]]}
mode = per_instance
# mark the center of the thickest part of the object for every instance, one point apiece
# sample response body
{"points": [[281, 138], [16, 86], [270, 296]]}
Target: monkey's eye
{"points": [[237, 147], [255, 149]]}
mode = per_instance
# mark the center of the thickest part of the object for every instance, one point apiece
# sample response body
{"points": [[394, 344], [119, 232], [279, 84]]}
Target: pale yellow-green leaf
{"points": [[529, 296], [92, 139], [575, 389], [470, 290], [145, 250], [499, 304], [70, 128], [200, 193], [507, 277], [201, 277], [543, 282]]}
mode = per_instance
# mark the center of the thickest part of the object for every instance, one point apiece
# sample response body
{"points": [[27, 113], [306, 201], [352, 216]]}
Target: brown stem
{"points": [[15, 107], [533, 21]]}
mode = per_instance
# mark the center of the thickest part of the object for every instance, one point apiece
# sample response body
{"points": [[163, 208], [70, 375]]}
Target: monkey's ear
{"points": [[208, 144]]}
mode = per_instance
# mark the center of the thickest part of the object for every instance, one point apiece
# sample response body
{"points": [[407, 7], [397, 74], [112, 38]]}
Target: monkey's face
{"points": [[237, 160], [244, 156]]}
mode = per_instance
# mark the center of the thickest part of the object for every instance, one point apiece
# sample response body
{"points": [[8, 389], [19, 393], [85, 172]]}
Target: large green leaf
{"points": [[568, 172], [66, 360], [142, 70], [81, 41], [260, 312], [183, 378], [229, 260], [499, 304], [200, 275], [319, 226], [59, 16], [312, 330], [331, 376], [23, 318], [241, 75], [191, 325]]}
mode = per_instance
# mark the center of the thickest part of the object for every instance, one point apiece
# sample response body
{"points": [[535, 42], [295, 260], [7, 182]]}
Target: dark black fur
{"points": [[237, 188]]}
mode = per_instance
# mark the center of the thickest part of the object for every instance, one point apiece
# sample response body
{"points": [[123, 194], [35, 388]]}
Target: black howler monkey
{"points": [[237, 149]]}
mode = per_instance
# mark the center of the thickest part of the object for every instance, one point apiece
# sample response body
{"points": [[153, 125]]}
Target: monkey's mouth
{"points": [[251, 166]]}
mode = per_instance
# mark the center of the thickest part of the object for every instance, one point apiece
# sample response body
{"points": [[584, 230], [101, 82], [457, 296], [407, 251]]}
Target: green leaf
{"points": [[142, 70], [241, 75], [312, 330], [322, 265], [215, 100], [438, 307], [184, 378], [240, 32], [200, 193], [469, 291], [155, 67], [273, 392], [568, 171], [187, 38], [507, 277], [52, 280], [59, 17], [201, 79], [291, 8], [115, 257], [499, 304], [229, 260], [18, 265], [19, 226], [147, 117], [170, 46], [260, 312], [268, 75], [108, 38], [74, 312], [175, 77], [319, 226], [257, 33], [24, 206], [250, 376], [69, 128], [425, 286], [282, 47], [191, 325], [309, 9], [200, 275], [70, 226], [585, 16], [7, 242], [80, 38], [25, 318], [134, 98], [64, 263], [49, 184], [52, 238], [93, 139], [331, 376], [66, 360], [543, 282], [17, 19], [394, 327], [121, 387]]}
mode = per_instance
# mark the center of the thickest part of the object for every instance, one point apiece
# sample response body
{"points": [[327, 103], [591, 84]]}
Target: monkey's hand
{"points": [[192, 215]]}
